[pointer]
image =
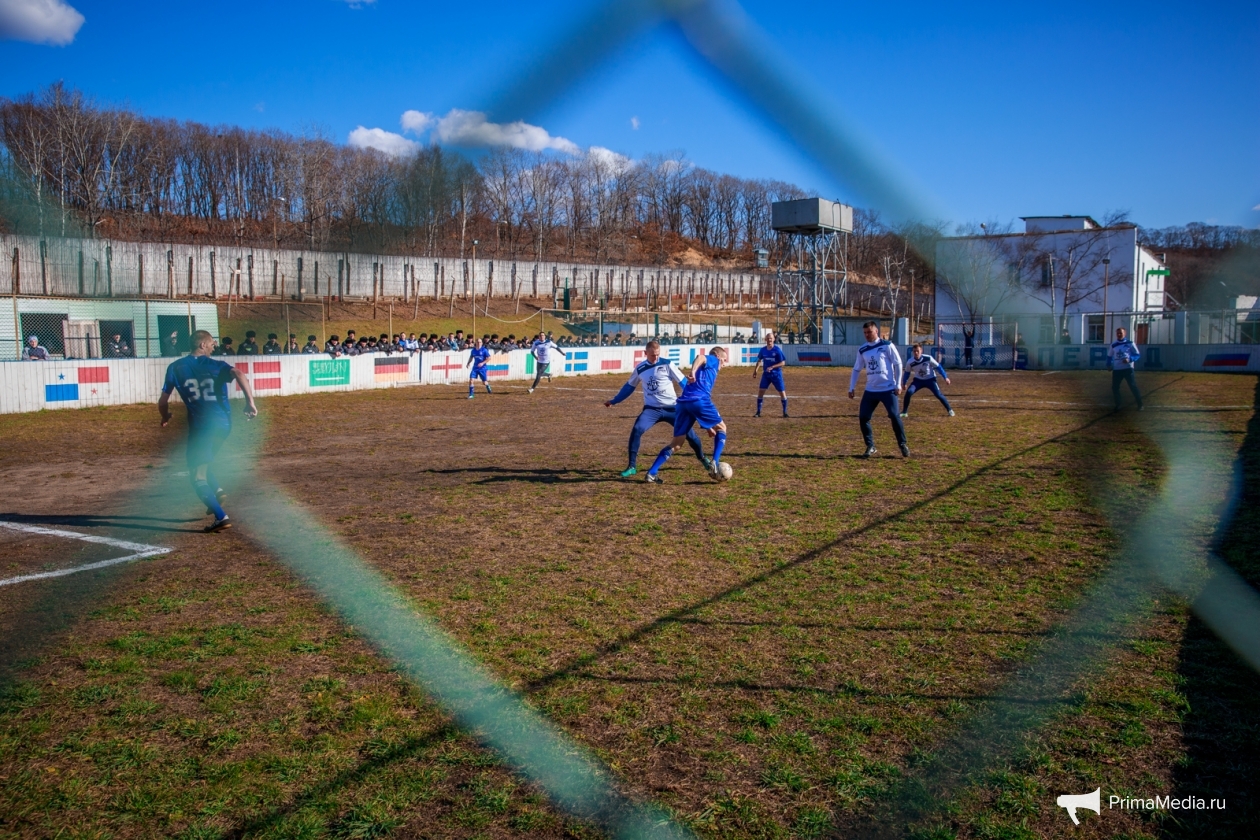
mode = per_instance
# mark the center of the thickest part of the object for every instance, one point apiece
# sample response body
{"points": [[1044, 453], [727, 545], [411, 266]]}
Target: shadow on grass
{"points": [[131, 523], [683, 613], [540, 475], [332, 787], [1222, 725]]}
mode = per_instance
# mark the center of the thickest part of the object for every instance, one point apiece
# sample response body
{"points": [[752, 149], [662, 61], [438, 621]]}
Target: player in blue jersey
{"points": [[660, 403], [479, 359], [202, 382], [1122, 356], [923, 368], [882, 363], [696, 406], [771, 361]]}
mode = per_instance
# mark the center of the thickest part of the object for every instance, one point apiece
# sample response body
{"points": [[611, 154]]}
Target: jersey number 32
{"points": [[203, 390]]}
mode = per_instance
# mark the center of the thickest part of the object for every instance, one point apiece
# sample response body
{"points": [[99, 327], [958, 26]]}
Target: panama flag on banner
{"points": [[82, 384]]}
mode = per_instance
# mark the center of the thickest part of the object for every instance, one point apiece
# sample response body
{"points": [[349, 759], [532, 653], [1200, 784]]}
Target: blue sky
{"points": [[993, 111]]}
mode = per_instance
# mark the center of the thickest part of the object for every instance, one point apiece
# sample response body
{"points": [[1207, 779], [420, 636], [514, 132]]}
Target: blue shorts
{"points": [[204, 443], [773, 377], [689, 413], [477, 373]]}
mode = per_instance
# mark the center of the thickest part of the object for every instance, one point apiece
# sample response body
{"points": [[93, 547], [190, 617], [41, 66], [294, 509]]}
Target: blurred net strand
{"points": [[500, 718], [1161, 554], [574, 779]]}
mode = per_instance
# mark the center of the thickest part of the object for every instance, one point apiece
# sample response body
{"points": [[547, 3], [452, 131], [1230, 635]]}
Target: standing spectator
{"points": [[969, 342], [272, 347], [333, 347], [292, 346], [311, 346], [1121, 358], [170, 344], [249, 347], [116, 348], [224, 347], [32, 352]]}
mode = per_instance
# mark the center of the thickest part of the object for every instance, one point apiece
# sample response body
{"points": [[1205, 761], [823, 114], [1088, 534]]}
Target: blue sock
{"points": [[784, 401], [760, 400], [470, 389], [206, 493], [719, 443], [661, 459]]}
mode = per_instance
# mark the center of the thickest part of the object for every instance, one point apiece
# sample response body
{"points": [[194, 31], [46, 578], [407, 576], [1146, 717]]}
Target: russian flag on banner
{"points": [[497, 365], [390, 369], [577, 361], [814, 356], [1226, 359]]}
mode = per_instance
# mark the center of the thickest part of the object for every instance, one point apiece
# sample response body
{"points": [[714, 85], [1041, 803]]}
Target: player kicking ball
{"points": [[696, 406], [771, 361], [478, 359], [923, 368], [660, 403], [202, 382], [882, 363]]}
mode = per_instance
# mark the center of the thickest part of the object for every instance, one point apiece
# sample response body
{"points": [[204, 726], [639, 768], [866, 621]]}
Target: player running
{"points": [[882, 363], [659, 401], [696, 405], [923, 368], [202, 382], [771, 360], [479, 359], [1121, 358], [542, 349]]}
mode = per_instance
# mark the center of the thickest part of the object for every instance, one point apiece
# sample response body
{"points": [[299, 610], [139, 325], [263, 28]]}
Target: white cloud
{"points": [[1257, 207], [614, 162], [634, 123], [471, 128], [260, 107], [359, 4], [394, 145], [39, 21], [416, 122]]}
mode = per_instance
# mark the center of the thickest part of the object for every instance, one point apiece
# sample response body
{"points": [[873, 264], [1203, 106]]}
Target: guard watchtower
{"points": [[813, 269]]}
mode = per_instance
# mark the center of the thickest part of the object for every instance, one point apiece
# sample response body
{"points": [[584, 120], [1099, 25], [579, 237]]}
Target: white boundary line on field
{"points": [[140, 551]]}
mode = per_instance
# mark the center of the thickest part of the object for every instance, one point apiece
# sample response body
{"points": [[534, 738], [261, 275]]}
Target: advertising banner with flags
{"points": [[390, 368]]}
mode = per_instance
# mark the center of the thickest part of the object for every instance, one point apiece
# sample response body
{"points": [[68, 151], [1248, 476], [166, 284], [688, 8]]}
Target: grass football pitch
{"points": [[822, 646]]}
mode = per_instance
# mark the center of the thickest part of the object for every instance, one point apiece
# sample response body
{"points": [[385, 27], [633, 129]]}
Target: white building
{"points": [[1056, 277]]}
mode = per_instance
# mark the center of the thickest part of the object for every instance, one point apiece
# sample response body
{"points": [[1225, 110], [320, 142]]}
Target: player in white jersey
{"points": [[660, 403], [1122, 357], [923, 368], [543, 348], [882, 363]]}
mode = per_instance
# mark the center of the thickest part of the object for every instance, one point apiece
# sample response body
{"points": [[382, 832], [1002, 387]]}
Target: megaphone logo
{"points": [[1080, 800]]}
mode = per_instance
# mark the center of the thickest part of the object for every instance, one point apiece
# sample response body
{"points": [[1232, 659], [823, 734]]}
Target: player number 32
{"points": [[201, 391]]}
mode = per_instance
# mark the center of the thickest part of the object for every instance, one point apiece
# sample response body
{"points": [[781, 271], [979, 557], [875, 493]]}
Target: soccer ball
{"points": [[724, 472]]}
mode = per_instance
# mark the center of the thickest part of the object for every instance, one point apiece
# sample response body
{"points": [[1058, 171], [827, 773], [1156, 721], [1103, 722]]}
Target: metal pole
{"points": [[1106, 278]]}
